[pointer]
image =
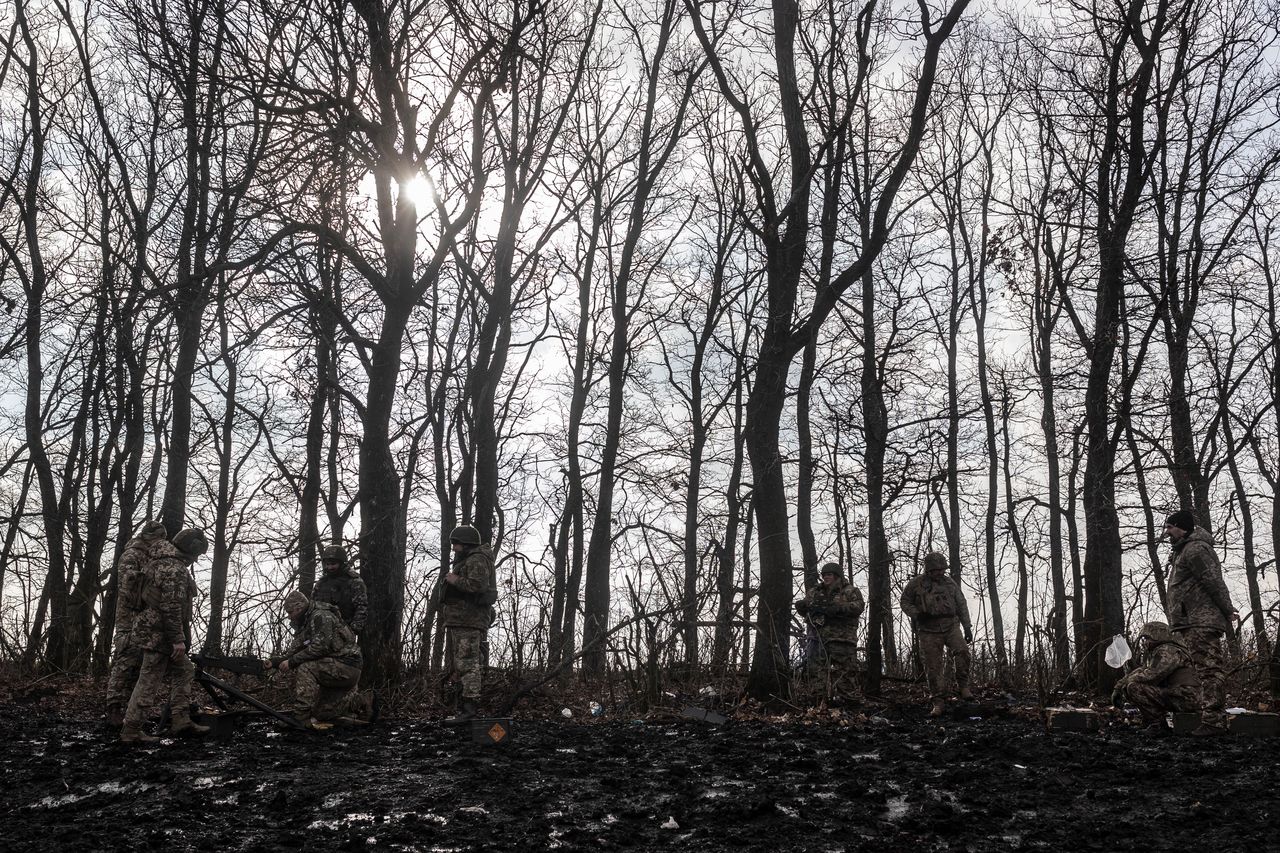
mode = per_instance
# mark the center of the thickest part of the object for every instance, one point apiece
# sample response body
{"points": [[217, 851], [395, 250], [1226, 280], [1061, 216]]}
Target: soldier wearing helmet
{"points": [[151, 543], [163, 631], [939, 614], [341, 586], [1166, 680], [832, 609], [470, 590]]}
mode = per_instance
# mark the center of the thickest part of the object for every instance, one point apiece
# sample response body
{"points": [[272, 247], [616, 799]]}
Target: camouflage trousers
{"points": [[326, 688], [1205, 645], [150, 686], [126, 661], [834, 666], [466, 659], [933, 645], [1155, 701]]}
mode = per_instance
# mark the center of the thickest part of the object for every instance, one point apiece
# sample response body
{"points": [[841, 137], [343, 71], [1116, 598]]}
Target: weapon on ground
{"points": [[219, 690]]}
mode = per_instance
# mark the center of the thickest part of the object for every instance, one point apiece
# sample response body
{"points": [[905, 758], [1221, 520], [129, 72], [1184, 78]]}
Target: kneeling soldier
{"points": [[327, 659], [1167, 679]]}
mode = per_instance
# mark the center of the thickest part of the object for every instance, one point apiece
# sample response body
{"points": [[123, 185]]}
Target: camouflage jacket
{"points": [[345, 591], [469, 602], [1168, 665], [935, 605], [1197, 596], [168, 589], [838, 610], [138, 552], [321, 633]]}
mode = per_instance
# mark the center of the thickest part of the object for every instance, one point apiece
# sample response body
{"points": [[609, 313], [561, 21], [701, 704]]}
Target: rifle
{"points": [[216, 687]]}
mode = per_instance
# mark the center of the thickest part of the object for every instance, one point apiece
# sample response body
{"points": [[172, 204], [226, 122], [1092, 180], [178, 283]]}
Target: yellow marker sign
{"points": [[497, 733]]}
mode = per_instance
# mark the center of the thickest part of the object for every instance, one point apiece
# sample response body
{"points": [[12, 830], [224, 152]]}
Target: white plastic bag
{"points": [[1118, 653]]}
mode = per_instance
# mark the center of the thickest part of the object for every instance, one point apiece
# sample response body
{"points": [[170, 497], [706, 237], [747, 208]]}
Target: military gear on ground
{"points": [[333, 553], [191, 543], [465, 535], [346, 591]]}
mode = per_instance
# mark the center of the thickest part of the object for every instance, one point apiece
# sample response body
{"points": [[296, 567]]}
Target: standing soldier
{"points": [[151, 543], [1200, 609], [342, 587], [938, 611], [471, 588], [832, 609], [162, 631], [1165, 682]]}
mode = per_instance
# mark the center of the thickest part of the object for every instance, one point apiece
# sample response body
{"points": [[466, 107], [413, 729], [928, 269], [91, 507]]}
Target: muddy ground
{"points": [[666, 783]]}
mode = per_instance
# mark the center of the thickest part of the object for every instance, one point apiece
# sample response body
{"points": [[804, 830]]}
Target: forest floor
{"points": [[885, 778]]}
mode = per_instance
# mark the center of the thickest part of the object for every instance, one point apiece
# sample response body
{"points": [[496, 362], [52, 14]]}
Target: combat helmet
{"points": [[1159, 633], [831, 569], [191, 542], [331, 553], [465, 535]]}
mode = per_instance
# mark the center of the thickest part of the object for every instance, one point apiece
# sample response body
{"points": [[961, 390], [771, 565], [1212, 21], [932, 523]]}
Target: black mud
{"points": [[674, 785]]}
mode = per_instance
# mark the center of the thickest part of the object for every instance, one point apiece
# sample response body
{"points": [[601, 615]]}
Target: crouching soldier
{"points": [[161, 631], [151, 543], [327, 662], [470, 591], [833, 608], [1166, 681], [939, 615]]}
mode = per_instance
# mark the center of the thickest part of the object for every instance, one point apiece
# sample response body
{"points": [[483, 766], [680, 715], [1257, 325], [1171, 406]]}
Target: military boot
{"points": [[134, 734], [466, 713], [966, 693], [115, 715], [183, 726], [938, 707]]}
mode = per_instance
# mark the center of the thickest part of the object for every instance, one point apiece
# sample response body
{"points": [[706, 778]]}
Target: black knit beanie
{"points": [[1182, 519]]}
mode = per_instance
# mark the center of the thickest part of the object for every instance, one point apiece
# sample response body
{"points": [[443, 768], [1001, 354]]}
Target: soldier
{"points": [[1200, 609], [151, 542], [832, 609], [1165, 682], [327, 658], [471, 588], [162, 631], [342, 587], [938, 611]]}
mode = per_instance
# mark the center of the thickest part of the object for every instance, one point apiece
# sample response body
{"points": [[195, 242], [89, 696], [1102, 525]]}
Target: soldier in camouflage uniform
{"points": [[162, 630], [471, 589], [1166, 681], [1199, 608], [342, 587], [151, 543], [940, 617], [327, 661], [832, 609]]}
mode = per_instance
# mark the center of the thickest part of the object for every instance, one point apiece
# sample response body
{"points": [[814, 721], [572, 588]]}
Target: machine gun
{"points": [[220, 691]]}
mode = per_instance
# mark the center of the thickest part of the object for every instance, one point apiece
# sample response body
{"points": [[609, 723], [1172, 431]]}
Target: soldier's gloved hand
{"points": [[179, 652], [284, 666], [968, 634]]}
